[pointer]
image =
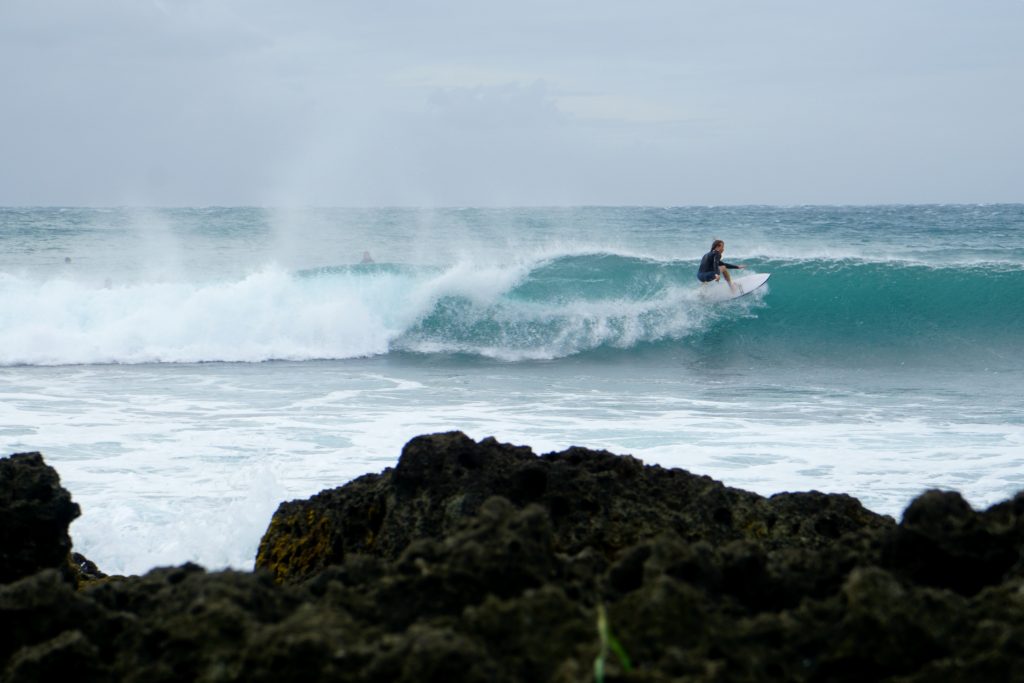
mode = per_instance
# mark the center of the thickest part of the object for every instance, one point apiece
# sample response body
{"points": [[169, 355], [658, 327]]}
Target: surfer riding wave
{"points": [[712, 266]]}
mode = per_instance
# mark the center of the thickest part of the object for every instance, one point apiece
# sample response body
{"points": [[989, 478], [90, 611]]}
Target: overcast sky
{"points": [[525, 102]]}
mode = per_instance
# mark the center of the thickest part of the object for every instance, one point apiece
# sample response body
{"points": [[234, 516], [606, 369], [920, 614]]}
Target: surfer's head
{"points": [[718, 244]]}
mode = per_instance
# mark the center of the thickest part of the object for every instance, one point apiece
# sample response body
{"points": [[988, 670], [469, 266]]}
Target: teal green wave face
{"points": [[883, 307], [849, 308], [599, 277]]}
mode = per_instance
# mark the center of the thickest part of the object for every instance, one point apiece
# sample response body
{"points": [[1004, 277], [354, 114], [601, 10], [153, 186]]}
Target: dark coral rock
{"points": [[187, 624], [69, 656], [510, 630], [35, 512], [483, 562], [942, 542], [594, 500], [86, 568]]}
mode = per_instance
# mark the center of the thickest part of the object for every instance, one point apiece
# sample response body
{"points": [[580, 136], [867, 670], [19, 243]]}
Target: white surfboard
{"points": [[719, 291]]}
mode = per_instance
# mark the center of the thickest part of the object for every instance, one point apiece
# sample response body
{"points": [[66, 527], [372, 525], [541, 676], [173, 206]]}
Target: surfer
{"points": [[713, 267]]}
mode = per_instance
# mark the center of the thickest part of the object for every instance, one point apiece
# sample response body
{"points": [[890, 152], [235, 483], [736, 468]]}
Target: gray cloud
{"points": [[174, 102]]}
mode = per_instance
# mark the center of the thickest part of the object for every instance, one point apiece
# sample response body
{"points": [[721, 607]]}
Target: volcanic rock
{"points": [[35, 512], [594, 499], [483, 562]]}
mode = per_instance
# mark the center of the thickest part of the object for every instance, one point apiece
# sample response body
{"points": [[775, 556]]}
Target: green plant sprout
{"points": [[608, 642]]}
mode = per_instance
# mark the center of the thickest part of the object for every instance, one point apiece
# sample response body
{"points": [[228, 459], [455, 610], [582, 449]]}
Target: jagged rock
{"points": [[35, 512], [491, 578], [38, 609], [943, 542], [594, 499], [68, 656], [86, 568], [188, 624]]}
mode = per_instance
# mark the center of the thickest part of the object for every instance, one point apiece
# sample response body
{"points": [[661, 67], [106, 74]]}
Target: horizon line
{"points": [[499, 207]]}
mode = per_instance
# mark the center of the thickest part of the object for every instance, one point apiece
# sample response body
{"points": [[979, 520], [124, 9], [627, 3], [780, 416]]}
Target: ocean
{"points": [[185, 370]]}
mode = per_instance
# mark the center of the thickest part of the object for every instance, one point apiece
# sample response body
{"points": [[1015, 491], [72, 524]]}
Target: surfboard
{"points": [[719, 291]]}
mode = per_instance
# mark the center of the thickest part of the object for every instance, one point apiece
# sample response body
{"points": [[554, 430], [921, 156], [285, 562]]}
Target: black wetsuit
{"points": [[709, 266]]}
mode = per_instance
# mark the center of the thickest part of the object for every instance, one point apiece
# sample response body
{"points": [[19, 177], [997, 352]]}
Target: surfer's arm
{"points": [[729, 265]]}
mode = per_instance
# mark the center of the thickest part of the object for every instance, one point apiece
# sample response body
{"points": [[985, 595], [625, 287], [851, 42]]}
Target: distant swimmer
{"points": [[712, 265], [367, 258]]}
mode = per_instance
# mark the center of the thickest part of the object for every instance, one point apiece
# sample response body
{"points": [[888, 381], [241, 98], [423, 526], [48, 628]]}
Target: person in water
{"points": [[712, 267]]}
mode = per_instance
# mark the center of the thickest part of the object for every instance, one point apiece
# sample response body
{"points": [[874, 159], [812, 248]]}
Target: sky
{"points": [[525, 103]]}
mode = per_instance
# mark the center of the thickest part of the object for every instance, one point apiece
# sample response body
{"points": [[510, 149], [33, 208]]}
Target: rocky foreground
{"points": [[484, 562]]}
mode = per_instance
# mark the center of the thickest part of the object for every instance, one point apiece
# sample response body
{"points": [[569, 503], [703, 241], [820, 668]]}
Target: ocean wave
{"points": [[551, 307]]}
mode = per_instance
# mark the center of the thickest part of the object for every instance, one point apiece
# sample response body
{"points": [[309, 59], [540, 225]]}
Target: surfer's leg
{"points": [[728, 278]]}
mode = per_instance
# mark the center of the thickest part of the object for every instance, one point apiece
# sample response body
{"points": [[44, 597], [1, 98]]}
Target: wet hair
{"points": [[717, 243]]}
